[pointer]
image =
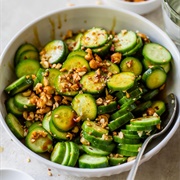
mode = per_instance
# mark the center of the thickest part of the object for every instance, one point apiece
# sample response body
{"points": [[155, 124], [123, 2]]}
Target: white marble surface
{"points": [[14, 14]]}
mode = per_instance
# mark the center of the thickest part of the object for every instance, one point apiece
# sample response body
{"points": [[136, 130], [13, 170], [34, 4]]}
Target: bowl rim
{"points": [[123, 2], [123, 167]]}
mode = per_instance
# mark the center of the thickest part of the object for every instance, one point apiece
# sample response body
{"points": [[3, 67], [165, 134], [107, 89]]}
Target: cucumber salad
{"points": [[88, 100]]}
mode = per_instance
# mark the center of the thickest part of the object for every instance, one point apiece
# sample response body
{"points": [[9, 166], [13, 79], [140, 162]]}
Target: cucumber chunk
{"points": [[113, 161], [131, 64], [91, 84], [23, 102], [91, 161], [85, 106], [125, 41], [19, 85], [63, 118], [29, 54], [95, 151], [159, 107], [40, 143], [14, 125], [54, 52], [154, 77], [74, 154], [109, 108], [146, 121], [92, 128], [23, 48], [67, 154], [121, 81], [156, 53], [27, 67], [58, 152], [94, 38]]}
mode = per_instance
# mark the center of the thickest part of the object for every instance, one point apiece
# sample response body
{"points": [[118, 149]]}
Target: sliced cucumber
{"points": [[19, 85], [63, 118], [75, 62], [91, 161], [67, 154], [156, 53], [23, 103], [113, 161], [23, 48], [27, 67], [133, 127], [146, 121], [150, 94], [123, 140], [104, 140], [121, 81], [85, 106], [131, 64], [39, 140], [56, 133], [29, 54], [91, 84], [45, 122], [154, 77], [125, 41], [159, 107], [34, 125], [54, 52], [118, 122], [130, 147], [95, 151], [92, 128], [12, 108], [113, 68], [74, 154], [126, 153], [58, 152], [79, 52], [109, 108], [14, 125], [94, 38]]}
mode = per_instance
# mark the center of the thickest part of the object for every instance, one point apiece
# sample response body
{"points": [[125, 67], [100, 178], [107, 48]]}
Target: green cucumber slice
{"points": [[94, 38], [95, 151], [109, 108], [74, 154], [23, 102], [91, 161], [27, 67], [85, 106], [120, 121], [131, 64], [45, 122], [29, 54], [126, 153], [114, 161], [19, 85], [154, 77], [125, 41], [90, 84], [133, 127], [41, 143], [156, 53], [11, 108], [92, 128], [130, 147], [63, 118], [58, 152], [22, 48], [75, 62], [121, 81], [67, 154], [54, 52], [56, 133], [14, 125], [159, 107], [123, 140], [146, 121]]}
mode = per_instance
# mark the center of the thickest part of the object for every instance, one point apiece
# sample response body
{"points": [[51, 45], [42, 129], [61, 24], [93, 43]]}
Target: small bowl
{"points": [[42, 30], [137, 7], [8, 174]]}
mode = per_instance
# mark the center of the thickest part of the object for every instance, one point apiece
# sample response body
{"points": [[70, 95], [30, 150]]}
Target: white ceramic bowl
{"points": [[8, 174], [137, 7], [42, 31]]}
